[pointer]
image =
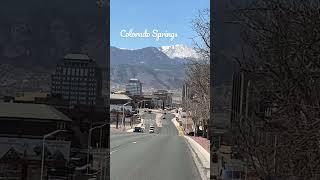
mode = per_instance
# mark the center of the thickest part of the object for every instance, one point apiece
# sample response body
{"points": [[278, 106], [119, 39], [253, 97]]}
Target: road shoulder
{"points": [[200, 155]]}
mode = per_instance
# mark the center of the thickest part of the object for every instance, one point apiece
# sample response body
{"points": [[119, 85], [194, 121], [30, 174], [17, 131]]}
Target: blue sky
{"points": [[166, 16]]}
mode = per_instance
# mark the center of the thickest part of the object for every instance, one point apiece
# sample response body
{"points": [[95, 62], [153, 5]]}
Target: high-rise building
{"points": [[134, 87], [77, 79], [185, 92]]}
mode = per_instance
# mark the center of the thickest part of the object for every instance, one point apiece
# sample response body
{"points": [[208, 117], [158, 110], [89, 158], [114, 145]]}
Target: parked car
{"points": [[151, 130], [138, 129]]}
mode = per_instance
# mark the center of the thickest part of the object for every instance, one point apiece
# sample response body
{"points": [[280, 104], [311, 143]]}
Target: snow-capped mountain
{"points": [[179, 51], [157, 67], [150, 65]]}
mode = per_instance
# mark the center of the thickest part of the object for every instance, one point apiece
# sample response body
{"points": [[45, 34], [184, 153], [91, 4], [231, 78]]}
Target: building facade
{"points": [[134, 87], [77, 79], [21, 140], [162, 98], [116, 107]]}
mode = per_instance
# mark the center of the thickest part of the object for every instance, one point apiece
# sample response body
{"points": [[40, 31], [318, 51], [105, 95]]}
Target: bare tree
{"points": [[197, 78], [281, 51], [198, 73], [201, 25]]}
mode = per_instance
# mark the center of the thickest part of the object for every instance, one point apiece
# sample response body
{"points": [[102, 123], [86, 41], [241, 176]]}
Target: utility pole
{"points": [[130, 114], [162, 105], [43, 149], [117, 125], [275, 154], [123, 115]]}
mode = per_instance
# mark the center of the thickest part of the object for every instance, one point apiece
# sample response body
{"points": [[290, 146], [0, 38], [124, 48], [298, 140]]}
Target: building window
{"points": [[61, 125]]}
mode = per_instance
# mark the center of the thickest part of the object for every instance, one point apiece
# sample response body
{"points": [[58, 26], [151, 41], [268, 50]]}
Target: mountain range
{"points": [[36, 35], [159, 68]]}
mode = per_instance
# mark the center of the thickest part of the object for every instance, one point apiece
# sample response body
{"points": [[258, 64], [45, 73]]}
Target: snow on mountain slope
{"points": [[179, 51]]}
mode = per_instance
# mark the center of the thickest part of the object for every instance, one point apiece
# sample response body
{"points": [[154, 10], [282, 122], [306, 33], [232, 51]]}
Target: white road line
{"points": [[113, 151], [134, 142]]}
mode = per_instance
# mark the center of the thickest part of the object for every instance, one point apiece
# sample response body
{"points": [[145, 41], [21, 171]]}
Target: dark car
{"points": [[137, 129]]}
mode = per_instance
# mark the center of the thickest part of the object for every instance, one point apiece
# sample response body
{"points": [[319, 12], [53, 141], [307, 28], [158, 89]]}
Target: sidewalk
{"points": [[204, 142]]}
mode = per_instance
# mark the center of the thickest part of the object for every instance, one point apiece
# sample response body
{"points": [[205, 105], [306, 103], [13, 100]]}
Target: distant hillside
{"points": [[36, 34], [150, 65]]}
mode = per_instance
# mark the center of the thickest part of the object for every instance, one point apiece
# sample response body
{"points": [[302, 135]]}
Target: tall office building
{"points": [[77, 79], [134, 87], [185, 92]]}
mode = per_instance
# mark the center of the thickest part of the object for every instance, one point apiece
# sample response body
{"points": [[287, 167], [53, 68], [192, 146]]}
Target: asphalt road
{"points": [[163, 155]]}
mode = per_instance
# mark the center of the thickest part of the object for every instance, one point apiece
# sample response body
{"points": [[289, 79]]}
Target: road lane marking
{"points": [[113, 151]]}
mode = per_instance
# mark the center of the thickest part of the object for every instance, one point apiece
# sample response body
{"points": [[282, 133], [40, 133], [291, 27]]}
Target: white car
{"points": [[151, 129]]}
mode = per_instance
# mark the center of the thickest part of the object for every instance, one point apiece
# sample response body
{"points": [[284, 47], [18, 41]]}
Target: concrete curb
{"points": [[201, 156], [179, 128]]}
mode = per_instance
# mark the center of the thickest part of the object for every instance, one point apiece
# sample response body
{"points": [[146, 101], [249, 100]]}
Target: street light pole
{"points": [[123, 118], [89, 144], [100, 144], [43, 141], [139, 104]]}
